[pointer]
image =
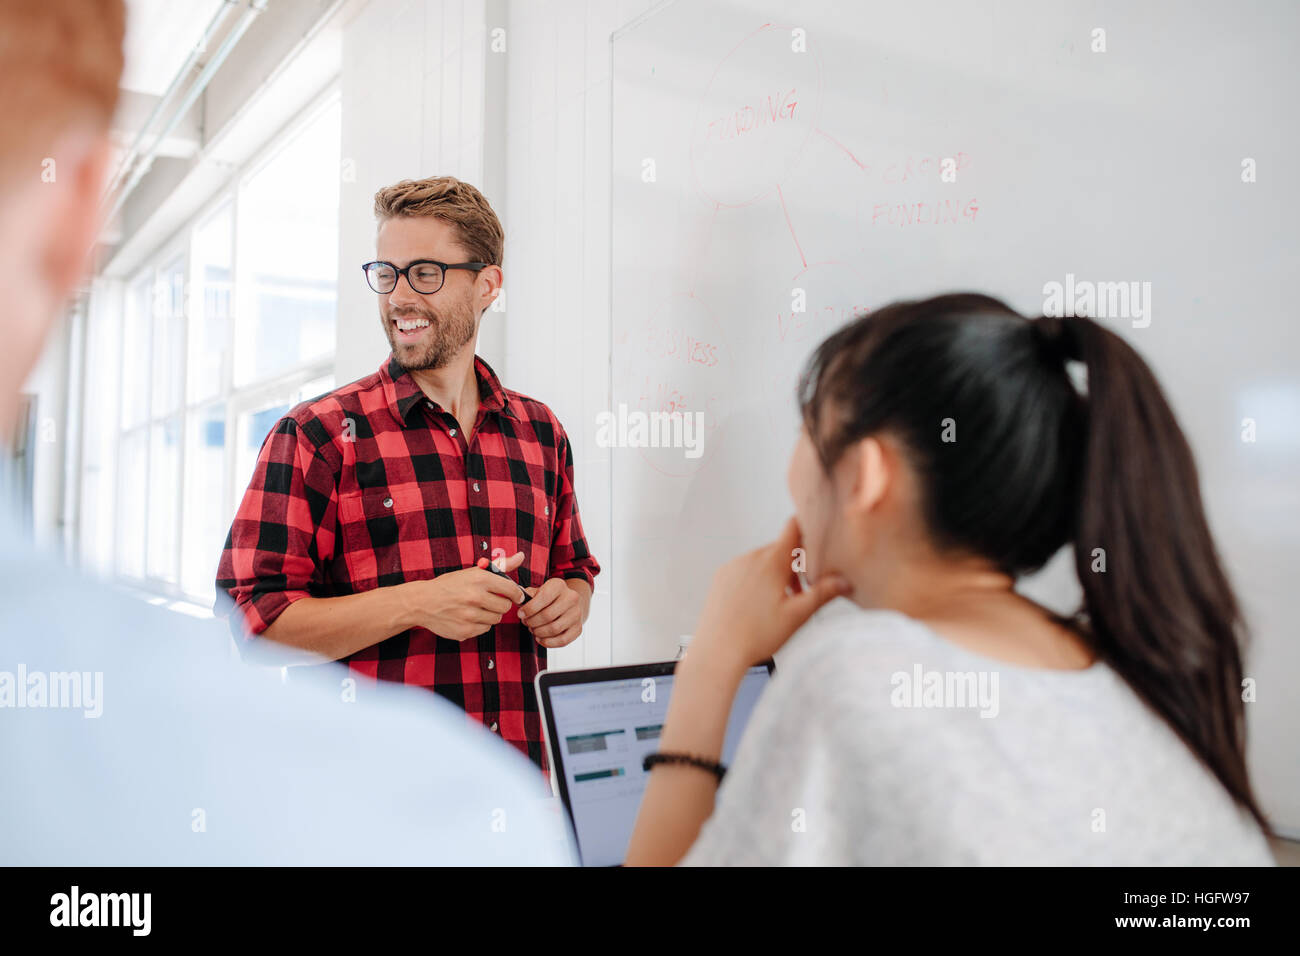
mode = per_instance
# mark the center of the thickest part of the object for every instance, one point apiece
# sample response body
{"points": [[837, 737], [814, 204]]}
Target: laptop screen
{"points": [[603, 731]]}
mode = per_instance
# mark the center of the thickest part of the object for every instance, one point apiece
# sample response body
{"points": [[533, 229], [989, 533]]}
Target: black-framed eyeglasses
{"points": [[425, 276]]}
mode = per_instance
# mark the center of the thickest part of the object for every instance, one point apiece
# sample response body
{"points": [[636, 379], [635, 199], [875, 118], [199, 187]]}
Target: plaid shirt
{"points": [[372, 485]]}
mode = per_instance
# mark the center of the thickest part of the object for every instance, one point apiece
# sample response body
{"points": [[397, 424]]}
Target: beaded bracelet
{"points": [[712, 766]]}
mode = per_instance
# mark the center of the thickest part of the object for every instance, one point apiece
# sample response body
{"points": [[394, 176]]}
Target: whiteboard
{"points": [[771, 155]]}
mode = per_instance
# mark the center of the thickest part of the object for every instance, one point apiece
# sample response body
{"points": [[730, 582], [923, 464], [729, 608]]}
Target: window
{"points": [[288, 256], [135, 353], [133, 458], [206, 517], [164, 476], [211, 279], [231, 324]]}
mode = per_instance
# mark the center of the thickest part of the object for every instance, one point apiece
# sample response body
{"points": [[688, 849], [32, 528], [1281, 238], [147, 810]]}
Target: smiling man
{"points": [[359, 536]]}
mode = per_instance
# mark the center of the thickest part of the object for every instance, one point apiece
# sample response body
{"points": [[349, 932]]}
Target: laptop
{"points": [[600, 724]]}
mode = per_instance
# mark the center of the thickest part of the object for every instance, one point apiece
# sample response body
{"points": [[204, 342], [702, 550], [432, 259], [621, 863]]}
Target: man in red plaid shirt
{"points": [[370, 506]]}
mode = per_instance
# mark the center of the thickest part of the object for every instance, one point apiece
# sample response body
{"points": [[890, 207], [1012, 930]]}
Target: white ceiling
{"points": [[159, 36]]}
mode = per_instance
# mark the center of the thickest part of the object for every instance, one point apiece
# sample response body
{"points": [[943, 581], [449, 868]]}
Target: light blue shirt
{"points": [[164, 750]]}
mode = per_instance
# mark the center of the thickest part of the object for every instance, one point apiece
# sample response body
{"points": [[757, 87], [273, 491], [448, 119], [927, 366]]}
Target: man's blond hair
{"points": [[451, 200], [60, 64]]}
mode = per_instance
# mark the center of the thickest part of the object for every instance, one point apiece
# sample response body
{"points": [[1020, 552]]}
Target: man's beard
{"points": [[447, 336]]}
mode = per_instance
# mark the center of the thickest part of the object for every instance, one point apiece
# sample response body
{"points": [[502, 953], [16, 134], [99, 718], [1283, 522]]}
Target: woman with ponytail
{"points": [[949, 447]]}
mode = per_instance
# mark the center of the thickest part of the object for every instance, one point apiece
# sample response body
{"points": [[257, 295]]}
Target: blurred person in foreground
{"points": [[130, 735]]}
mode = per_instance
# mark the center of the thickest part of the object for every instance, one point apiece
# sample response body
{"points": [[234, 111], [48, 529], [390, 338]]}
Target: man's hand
{"points": [[463, 604], [556, 611]]}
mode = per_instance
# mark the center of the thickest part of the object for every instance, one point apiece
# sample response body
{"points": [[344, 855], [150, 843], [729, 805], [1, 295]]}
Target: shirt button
{"points": [[491, 663], [493, 728], [476, 486], [453, 433], [484, 546], [546, 510], [430, 404], [388, 502]]}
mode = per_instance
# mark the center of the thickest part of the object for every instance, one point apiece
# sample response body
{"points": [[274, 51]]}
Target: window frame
{"points": [[238, 400]]}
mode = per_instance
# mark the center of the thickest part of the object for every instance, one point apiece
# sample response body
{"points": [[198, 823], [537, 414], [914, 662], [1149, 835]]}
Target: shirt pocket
{"points": [[534, 517], [385, 536]]}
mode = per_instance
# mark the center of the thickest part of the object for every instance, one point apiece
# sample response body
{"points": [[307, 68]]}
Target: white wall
{"points": [[48, 381], [413, 82], [557, 219]]}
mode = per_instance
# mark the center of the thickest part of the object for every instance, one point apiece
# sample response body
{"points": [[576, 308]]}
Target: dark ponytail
{"points": [[1162, 612], [1016, 458]]}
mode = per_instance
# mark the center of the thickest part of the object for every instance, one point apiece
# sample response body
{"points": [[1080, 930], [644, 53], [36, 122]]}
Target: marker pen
{"points": [[487, 565]]}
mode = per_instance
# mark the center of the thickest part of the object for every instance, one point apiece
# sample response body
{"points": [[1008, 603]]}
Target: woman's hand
{"points": [[747, 616], [755, 603]]}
